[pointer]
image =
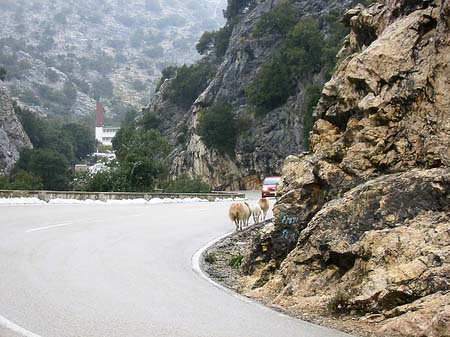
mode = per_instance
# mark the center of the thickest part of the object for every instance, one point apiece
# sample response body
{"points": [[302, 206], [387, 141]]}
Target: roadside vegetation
{"points": [[57, 146], [306, 53]]}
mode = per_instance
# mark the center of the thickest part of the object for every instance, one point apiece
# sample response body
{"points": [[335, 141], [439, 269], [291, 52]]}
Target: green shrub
{"points": [[48, 165], [24, 180], [142, 156], [189, 82], [279, 20], [186, 184], [304, 45], [237, 7], [312, 96], [150, 121], [218, 129], [102, 88], [338, 302], [3, 73], [216, 41], [51, 75], [236, 261], [271, 86], [166, 73], [182, 135]]}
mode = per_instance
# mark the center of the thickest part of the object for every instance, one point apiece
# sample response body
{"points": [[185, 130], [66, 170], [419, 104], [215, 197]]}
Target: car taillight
{"points": [[265, 188]]}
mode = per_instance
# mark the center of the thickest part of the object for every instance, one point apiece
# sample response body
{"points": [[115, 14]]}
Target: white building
{"points": [[103, 134]]}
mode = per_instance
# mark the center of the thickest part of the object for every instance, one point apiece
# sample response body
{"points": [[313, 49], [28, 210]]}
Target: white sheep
{"points": [[256, 212], [264, 205], [239, 213]]}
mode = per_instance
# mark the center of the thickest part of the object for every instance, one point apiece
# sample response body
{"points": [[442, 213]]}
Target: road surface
{"points": [[122, 271]]}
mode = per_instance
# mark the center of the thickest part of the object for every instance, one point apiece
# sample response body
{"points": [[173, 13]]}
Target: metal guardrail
{"points": [[104, 196]]}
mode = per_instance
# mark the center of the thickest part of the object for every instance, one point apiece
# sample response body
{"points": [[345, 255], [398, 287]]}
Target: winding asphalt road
{"points": [[122, 271]]}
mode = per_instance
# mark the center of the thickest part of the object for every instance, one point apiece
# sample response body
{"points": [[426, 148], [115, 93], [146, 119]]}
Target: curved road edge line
{"points": [[13, 327], [199, 271]]}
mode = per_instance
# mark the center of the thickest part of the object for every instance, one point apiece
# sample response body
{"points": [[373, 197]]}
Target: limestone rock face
{"points": [[12, 136], [362, 224], [262, 149]]}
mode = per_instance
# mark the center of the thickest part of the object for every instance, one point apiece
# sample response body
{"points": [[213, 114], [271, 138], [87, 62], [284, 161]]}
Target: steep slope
{"points": [[12, 135], [362, 226], [61, 56], [264, 139]]}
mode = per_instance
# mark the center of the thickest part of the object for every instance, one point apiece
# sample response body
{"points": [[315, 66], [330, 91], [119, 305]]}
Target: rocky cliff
{"points": [[262, 147], [12, 135], [362, 224], [61, 57]]}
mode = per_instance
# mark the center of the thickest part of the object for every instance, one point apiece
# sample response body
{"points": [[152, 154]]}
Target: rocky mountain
{"points": [[361, 229], [61, 56], [266, 138], [12, 136]]}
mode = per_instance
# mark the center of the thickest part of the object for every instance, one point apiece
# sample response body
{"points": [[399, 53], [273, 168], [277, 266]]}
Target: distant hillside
{"points": [[61, 56]]}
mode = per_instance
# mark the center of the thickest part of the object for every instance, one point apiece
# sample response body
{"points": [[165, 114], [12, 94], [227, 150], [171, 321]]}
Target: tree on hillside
{"points": [[142, 155], [237, 7], [48, 165], [304, 45], [218, 128], [3, 73]]}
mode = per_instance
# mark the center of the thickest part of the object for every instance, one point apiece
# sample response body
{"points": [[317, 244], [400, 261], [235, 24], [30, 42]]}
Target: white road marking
{"points": [[15, 328], [48, 227]]}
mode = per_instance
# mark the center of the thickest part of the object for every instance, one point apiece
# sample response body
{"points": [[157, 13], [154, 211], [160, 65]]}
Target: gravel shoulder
{"points": [[222, 263]]}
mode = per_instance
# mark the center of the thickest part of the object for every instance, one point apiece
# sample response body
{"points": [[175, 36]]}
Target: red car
{"points": [[269, 186]]}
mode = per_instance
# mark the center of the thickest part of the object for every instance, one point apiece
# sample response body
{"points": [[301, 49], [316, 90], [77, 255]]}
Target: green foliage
{"points": [[216, 41], [304, 47], [51, 74], [47, 164], [333, 42], [21, 180], [150, 121], [166, 73], [81, 137], [270, 88], [29, 97], [142, 156], [279, 20], [182, 135], [236, 261], [65, 98], [113, 180], [186, 184], [102, 88], [222, 39], [206, 43], [189, 82], [70, 91], [73, 141], [3, 73], [312, 96], [338, 303], [237, 7], [218, 129], [304, 53]]}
